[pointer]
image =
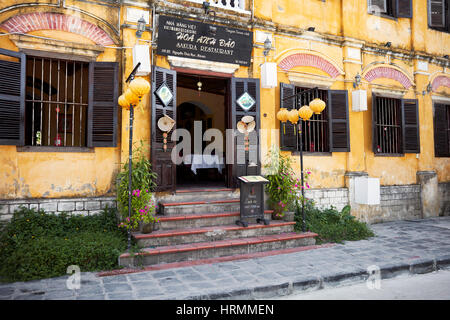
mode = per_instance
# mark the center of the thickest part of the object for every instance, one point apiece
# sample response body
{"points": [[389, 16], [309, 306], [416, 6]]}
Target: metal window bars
{"points": [[56, 102], [388, 126]]}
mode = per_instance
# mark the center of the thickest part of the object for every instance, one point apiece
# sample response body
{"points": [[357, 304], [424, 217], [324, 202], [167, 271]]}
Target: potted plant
{"points": [[143, 208], [284, 189]]}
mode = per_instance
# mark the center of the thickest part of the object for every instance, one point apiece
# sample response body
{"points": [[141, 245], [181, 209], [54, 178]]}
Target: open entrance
{"points": [[201, 105]]}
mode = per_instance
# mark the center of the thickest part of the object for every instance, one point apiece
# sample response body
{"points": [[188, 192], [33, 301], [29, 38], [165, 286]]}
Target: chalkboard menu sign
{"points": [[196, 40], [252, 199]]}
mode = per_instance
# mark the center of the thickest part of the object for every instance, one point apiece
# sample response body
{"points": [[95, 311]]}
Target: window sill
{"points": [[439, 29], [317, 154], [383, 15], [389, 154], [54, 149]]}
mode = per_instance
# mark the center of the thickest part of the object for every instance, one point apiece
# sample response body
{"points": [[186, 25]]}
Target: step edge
{"points": [[205, 215], [221, 243], [208, 229]]}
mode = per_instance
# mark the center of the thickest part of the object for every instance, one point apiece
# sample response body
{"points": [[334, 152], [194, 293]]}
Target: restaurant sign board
{"points": [[197, 40]]}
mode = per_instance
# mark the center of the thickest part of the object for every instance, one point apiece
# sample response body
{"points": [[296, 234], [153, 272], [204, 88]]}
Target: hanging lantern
{"points": [[131, 97], [282, 115], [305, 113], [317, 105], [139, 87], [123, 102], [293, 116]]}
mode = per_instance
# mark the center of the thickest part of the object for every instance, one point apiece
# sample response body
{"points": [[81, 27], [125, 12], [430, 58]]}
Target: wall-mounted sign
{"points": [[196, 40]]}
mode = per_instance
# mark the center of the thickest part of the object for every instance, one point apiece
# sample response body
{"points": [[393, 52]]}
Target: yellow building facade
{"points": [[381, 145]]}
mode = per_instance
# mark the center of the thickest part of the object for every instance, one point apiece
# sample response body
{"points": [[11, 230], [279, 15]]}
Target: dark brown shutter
{"points": [[339, 127], [102, 109], [12, 98], [381, 4], [404, 8], [410, 126], [441, 139], [162, 163], [288, 134], [238, 87], [374, 124], [436, 13]]}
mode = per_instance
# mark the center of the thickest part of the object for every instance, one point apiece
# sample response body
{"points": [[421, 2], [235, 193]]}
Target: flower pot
{"points": [[146, 227], [289, 216]]}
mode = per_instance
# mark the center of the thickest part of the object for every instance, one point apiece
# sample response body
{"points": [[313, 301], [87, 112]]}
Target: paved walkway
{"points": [[402, 247]]}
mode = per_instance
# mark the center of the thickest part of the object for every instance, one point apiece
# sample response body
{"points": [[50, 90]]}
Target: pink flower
{"points": [[307, 185]]}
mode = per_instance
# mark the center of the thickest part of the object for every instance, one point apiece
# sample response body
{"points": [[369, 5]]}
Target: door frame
{"points": [[227, 104]]}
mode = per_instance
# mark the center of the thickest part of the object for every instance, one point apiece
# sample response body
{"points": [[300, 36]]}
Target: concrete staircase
{"points": [[201, 224]]}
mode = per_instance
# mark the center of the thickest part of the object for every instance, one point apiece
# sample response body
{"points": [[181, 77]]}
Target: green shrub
{"points": [[37, 245], [332, 225]]}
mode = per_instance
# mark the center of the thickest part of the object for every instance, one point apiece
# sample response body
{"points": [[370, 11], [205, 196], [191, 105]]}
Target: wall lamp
{"points": [[357, 81], [311, 29], [388, 44], [207, 7], [267, 46], [140, 27]]}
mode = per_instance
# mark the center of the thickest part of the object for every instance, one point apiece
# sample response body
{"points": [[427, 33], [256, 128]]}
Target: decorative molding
{"points": [[213, 66], [440, 80], [55, 21], [310, 81], [309, 60], [62, 48], [388, 72], [389, 93]]}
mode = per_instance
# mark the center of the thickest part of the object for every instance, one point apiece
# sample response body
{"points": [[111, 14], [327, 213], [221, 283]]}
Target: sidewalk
{"points": [[400, 247]]}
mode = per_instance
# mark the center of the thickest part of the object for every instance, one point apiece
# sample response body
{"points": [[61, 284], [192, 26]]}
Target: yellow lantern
{"points": [[305, 113], [293, 116], [131, 97], [139, 87], [123, 102], [282, 115], [317, 105]]}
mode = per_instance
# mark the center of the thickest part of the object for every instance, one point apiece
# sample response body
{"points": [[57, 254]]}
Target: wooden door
{"points": [[164, 94]]}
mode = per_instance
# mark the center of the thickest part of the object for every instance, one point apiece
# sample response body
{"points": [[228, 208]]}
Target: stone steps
{"points": [[199, 206], [213, 233], [201, 220], [213, 249], [199, 224]]}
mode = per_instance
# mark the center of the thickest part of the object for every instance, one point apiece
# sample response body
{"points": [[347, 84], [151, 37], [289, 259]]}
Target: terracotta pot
{"points": [[146, 227]]}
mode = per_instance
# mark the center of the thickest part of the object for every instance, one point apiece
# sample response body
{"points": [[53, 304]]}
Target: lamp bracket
{"points": [[132, 74]]}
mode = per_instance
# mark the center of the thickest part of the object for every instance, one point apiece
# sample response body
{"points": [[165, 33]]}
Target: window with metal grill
{"points": [[388, 127], [322, 133], [56, 103], [395, 124], [315, 131], [442, 130]]}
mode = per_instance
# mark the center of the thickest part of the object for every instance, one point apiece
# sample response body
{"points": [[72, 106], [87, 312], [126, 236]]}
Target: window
{"points": [[326, 132], [395, 126], [391, 8], [60, 103], [439, 15], [56, 102], [442, 130]]}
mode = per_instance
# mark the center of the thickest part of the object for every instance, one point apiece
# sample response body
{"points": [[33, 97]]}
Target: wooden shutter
{"points": [[436, 13], [162, 163], [374, 123], [102, 109], [12, 98], [288, 134], [410, 126], [441, 139], [381, 4], [404, 8], [338, 121], [238, 87]]}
